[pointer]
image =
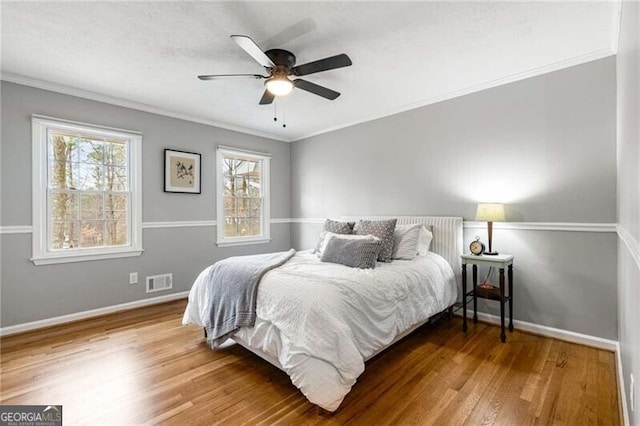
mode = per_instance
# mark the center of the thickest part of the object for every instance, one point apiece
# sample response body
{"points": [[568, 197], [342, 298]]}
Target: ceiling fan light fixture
{"points": [[279, 86]]}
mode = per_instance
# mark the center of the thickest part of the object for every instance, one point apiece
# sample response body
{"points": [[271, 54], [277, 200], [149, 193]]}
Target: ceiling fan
{"points": [[280, 64]]}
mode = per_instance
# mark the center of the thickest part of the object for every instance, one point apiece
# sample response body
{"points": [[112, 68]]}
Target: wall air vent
{"points": [[159, 282]]}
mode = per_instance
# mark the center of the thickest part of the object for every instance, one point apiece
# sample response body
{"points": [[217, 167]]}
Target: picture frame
{"points": [[182, 172]]}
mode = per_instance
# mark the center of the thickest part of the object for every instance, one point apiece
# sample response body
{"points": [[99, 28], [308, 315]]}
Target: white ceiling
{"points": [[405, 54]]}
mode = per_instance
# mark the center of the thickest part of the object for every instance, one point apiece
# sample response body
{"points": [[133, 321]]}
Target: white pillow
{"points": [[328, 235], [424, 241], [405, 241]]}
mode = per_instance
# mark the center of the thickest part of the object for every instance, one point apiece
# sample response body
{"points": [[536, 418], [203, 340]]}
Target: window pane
{"points": [[243, 167], [230, 210], [91, 206], [230, 227], [64, 206], [244, 228], [255, 168], [116, 153], [256, 207], [63, 175], [116, 233], [91, 233], [229, 186], [241, 184], [255, 226], [64, 235], [254, 188], [244, 207], [90, 177], [90, 151], [63, 147], [228, 166], [116, 178], [116, 206]]}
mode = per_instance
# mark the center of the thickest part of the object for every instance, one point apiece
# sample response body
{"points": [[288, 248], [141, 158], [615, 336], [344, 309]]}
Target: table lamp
{"points": [[491, 212]]}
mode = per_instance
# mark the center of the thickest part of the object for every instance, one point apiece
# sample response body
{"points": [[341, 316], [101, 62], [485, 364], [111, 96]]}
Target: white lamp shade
{"points": [[490, 212], [279, 86]]}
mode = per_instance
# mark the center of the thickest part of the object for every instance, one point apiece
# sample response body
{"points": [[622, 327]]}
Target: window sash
{"points": [[129, 192], [249, 220], [51, 220]]}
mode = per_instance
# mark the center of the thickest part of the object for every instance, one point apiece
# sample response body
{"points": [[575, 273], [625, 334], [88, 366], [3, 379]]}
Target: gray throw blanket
{"points": [[235, 288]]}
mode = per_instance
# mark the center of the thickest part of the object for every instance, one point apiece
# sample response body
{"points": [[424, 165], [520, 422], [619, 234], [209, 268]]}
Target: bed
{"points": [[319, 322]]}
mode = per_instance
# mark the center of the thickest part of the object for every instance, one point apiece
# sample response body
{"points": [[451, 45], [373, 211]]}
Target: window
{"points": [[86, 192], [243, 197]]}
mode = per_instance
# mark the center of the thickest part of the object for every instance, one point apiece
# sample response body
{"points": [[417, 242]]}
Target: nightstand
{"points": [[500, 261]]}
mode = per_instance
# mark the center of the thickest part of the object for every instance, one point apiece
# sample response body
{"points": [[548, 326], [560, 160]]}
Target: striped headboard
{"points": [[447, 234]]}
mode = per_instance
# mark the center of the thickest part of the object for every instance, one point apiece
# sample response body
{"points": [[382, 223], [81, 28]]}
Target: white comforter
{"points": [[320, 321]]}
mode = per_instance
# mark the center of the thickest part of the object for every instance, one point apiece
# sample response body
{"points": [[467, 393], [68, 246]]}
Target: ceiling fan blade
{"points": [[320, 65], [253, 50], [267, 98], [315, 89], [220, 76]]}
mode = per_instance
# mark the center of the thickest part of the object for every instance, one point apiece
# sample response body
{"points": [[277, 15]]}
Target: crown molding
{"points": [[556, 66], [94, 96]]}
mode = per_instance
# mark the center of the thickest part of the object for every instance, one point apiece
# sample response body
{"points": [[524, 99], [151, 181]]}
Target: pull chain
{"points": [[275, 109], [275, 113], [284, 117]]}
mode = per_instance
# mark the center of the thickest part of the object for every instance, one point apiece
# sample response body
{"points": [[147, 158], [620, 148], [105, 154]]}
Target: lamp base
{"points": [[491, 253]]}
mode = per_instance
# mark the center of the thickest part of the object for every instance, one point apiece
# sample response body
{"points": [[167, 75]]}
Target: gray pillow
{"points": [[351, 250], [382, 229], [336, 227]]}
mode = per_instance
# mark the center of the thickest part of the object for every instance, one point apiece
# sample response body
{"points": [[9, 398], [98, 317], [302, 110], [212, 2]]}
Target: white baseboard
{"points": [[28, 326], [621, 385], [556, 333]]}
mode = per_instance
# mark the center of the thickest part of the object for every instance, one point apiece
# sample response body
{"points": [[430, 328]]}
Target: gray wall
{"points": [[545, 146], [628, 70], [30, 293]]}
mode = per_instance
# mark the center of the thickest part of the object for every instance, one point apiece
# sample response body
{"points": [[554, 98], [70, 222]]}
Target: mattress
{"points": [[320, 321]]}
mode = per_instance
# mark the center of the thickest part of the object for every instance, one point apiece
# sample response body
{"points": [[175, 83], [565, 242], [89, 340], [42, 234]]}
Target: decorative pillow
{"points": [[333, 226], [405, 241], [356, 251], [424, 241], [326, 235], [382, 229]]}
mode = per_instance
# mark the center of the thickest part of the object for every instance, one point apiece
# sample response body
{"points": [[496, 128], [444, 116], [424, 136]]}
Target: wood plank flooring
{"points": [[143, 367]]}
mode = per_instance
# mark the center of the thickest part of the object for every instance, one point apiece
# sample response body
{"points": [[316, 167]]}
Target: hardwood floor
{"points": [[143, 366]]}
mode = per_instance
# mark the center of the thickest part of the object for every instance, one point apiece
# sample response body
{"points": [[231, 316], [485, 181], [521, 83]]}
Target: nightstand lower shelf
{"points": [[488, 291]]}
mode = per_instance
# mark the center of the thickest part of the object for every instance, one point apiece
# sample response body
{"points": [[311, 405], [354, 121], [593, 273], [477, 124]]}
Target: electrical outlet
{"points": [[632, 392], [133, 278]]}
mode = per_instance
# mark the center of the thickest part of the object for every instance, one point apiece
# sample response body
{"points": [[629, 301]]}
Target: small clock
{"points": [[476, 247]]}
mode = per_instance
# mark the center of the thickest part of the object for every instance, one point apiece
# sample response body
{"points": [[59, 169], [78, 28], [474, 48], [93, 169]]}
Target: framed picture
{"points": [[181, 171]]}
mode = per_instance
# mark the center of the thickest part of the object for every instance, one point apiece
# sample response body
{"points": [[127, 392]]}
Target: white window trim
{"points": [[265, 180], [41, 254]]}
